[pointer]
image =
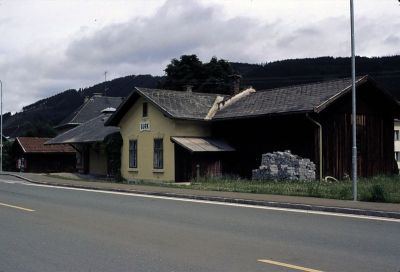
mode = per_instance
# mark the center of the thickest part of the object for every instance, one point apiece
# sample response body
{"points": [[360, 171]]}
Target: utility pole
{"points": [[353, 96], [105, 80]]}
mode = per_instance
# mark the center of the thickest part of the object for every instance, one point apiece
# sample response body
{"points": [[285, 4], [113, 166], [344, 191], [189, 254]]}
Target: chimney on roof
{"points": [[235, 87], [188, 88]]}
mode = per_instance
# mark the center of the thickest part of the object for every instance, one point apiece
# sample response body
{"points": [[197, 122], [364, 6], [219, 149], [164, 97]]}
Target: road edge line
{"points": [[275, 204]]}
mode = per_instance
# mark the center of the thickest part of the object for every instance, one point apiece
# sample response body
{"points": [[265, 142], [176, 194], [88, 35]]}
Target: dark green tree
{"points": [[39, 129], [204, 77], [113, 144], [8, 156]]}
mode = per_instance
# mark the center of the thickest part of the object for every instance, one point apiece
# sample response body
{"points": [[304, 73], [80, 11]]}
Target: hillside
{"points": [[385, 70], [50, 111]]}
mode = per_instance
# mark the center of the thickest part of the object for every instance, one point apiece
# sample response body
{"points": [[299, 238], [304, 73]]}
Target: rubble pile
{"points": [[284, 166]]}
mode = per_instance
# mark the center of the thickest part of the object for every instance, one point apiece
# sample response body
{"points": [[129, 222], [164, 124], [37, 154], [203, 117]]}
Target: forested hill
{"points": [[385, 70], [39, 117]]}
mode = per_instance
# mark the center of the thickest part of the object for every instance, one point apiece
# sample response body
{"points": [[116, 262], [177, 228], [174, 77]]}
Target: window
{"points": [[396, 135], [144, 110], [158, 162], [397, 155], [133, 154]]}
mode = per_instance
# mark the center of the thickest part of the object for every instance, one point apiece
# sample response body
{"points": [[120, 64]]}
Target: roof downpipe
{"points": [[320, 145]]}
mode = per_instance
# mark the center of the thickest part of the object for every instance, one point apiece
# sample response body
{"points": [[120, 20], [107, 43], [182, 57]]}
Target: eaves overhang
{"points": [[340, 94]]}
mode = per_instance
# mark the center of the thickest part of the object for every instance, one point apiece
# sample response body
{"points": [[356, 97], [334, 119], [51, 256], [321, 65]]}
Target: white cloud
{"points": [[70, 45]]}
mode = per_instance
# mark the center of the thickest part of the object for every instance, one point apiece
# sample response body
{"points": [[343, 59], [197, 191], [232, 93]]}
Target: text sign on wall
{"points": [[144, 126]]}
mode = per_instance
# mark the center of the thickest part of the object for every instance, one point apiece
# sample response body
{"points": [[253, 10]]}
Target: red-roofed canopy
{"points": [[36, 145]]}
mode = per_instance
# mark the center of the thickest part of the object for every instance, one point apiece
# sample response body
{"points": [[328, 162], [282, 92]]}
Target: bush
{"points": [[376, 189], [374, 193]]}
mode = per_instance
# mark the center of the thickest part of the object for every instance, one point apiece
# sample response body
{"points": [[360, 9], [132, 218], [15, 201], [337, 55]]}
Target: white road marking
{"points": [[13, 181], [16, 207], [365, 217], [291, 266]]}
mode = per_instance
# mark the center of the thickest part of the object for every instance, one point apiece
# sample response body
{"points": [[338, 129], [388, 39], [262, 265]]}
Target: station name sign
{"points": [[144, 126]]}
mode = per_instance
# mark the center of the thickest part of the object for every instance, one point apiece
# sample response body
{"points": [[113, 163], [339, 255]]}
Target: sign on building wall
{"points": [[144, 126]]}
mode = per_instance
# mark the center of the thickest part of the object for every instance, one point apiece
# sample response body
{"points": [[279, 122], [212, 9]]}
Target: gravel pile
{"points": [[284, 166]]}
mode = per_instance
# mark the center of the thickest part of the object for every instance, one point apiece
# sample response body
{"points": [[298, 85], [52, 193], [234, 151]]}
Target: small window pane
{"points": [[158, 162], [145, 110], [133, 154], [396, 135]]}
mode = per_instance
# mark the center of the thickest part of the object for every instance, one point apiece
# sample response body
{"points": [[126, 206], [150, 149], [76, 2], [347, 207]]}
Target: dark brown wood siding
{"points": [[211, 164], [375, 114], [375, 143], [253, 137]]}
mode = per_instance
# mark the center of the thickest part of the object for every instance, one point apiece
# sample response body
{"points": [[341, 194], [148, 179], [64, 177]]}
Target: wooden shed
{"points": [[313, 121], [32, 155], [88, 141]]}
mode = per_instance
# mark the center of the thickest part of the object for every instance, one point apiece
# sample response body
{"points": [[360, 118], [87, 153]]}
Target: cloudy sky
{"points": [[50, 46]]}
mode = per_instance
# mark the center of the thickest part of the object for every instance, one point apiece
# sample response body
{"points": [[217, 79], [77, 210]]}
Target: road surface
{"points": [[46, 228]]}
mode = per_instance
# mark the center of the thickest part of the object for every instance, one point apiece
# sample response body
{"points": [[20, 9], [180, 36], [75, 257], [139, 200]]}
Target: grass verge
{"points": [[376, 189]]}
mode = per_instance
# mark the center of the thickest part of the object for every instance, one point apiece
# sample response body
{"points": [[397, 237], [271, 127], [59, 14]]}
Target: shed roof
{"points": [[37, 145], [90, 109], [201, 144], [88, 132], [300, 98]]}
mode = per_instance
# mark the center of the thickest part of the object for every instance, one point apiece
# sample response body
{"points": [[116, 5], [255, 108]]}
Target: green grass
{"points": [[377, 189]]}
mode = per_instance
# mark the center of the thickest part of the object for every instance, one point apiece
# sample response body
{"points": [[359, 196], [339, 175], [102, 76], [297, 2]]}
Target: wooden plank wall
{"points": [[375, 143]]}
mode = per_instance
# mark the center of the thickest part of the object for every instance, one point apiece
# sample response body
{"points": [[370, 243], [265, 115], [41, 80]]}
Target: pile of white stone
{"points": [[281, 166]]}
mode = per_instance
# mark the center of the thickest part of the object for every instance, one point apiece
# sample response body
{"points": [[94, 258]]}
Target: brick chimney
{"points": [[235, 83]]}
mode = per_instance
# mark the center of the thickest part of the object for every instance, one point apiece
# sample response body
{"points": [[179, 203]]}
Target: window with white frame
{"points": [[158, 160], [396, 135], [133, 154], [144, 110]]}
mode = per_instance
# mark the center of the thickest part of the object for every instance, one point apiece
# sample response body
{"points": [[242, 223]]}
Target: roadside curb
{"points": [[275, 204]]}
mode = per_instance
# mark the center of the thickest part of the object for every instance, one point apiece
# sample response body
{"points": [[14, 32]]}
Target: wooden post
{"points": [[197, 172]]}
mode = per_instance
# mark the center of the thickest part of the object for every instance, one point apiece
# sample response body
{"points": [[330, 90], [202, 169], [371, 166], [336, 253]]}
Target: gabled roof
{"points": [[88, 132], [36, 145], [174, 104], [312, 97], [90, 109]]}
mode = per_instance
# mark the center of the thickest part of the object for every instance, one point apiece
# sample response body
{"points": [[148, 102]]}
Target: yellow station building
{"points": [[166, 134]]}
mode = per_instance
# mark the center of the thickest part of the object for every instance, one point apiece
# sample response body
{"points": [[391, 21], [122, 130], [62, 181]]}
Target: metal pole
{"points": [[1, 126], [105, 80], [354, 112]]}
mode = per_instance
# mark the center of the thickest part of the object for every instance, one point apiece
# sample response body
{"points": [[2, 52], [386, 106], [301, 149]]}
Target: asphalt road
{"points": [[54, 229]]}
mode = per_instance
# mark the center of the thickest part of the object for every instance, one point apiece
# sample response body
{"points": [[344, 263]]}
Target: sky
{"points": [[50, 46]]}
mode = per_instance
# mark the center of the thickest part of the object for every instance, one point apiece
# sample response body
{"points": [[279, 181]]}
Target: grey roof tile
{"points": [[181, 105], [91, 109], [299, 98], [88, 132]]}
